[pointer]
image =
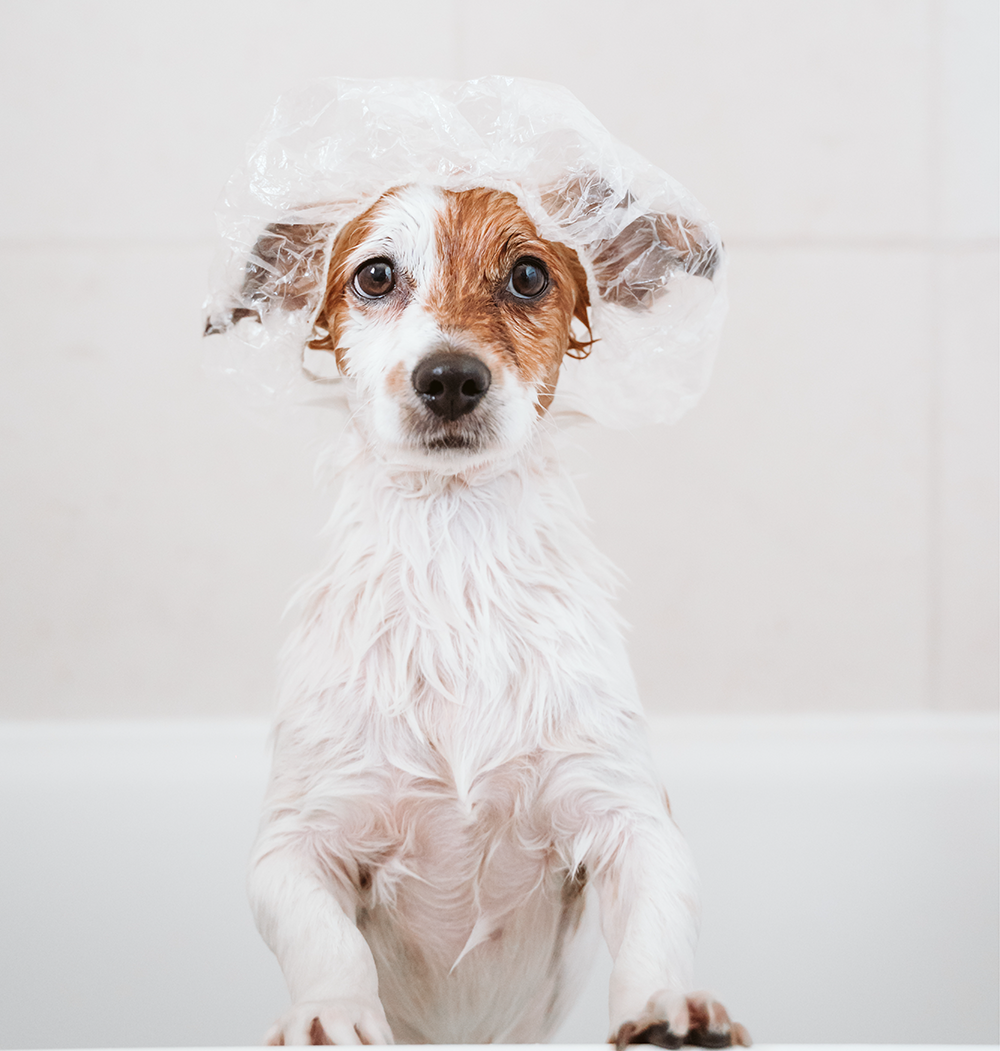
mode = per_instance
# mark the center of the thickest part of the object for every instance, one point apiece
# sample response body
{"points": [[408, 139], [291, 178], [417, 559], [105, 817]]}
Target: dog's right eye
{"points": [[374, 279], [529, 278]]}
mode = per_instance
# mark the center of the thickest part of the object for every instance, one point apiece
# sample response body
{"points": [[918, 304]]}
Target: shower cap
{"points": [[653, 259]]}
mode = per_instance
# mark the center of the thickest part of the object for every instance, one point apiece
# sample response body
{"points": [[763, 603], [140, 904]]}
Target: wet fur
{"points": [[461, 775]]}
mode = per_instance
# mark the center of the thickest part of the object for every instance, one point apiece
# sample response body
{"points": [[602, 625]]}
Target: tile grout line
{"points": [[933, 582]]}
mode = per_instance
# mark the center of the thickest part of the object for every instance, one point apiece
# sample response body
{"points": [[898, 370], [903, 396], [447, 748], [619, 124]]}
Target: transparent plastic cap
{"points": [[653, 259]]}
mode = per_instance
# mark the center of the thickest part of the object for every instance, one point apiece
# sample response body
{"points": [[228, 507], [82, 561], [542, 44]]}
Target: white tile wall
{"points": [[789, 120], [154, 529], [129, 117], [777, 539], [820, 534]]}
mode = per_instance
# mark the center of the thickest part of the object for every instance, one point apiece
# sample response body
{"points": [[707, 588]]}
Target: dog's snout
{"points": [[451, 384]]}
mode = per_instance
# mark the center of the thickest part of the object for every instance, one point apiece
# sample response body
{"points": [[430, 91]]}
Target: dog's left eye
{"points": [[528, 278], [374, 279]]}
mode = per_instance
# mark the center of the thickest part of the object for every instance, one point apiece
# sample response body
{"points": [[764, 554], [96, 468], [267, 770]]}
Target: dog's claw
{"points": [[706, 1021], [661, 1035], [707, 1038]]}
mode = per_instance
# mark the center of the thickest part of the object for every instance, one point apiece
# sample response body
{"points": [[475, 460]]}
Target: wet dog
{"points": [[461, 773]]}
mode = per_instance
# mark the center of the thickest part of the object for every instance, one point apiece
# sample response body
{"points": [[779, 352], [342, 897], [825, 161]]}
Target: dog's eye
{"points": [[528, 279], [374, 279]]}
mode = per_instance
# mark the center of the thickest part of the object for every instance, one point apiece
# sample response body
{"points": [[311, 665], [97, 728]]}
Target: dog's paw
{"points": [[673, 1019], [321, 1022]]}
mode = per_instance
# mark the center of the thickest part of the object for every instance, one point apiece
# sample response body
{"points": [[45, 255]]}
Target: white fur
{"points": [[459, 737]]}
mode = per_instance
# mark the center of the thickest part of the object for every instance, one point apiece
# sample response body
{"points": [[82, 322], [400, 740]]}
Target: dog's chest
{"points": [[466, 850]]}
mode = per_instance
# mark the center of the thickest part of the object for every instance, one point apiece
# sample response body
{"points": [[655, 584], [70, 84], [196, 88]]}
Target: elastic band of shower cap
{"points": [[653, 259]]}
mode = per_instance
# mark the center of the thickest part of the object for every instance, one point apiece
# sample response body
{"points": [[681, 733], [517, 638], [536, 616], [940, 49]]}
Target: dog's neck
{"points": [[448, 587], [518, 488]]}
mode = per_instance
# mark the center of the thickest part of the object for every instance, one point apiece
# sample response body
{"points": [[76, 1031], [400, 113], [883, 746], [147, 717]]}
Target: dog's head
{"points": [[452, 316]]}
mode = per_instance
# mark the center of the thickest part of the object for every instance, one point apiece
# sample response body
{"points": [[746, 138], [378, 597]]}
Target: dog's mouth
{"points": [[451, 441], [473, 433]]}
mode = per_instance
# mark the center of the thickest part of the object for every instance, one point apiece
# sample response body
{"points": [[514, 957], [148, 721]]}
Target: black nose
{"points": [[451, 384]]}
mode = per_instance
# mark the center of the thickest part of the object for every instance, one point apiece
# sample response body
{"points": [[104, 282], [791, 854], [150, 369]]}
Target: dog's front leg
{"points": [[649, 914], [307, 918]]}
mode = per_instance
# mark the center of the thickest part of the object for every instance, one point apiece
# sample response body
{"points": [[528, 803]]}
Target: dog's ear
{"points": [[632, 267], [284, 271]]}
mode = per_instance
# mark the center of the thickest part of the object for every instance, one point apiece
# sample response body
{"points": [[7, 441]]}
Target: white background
{"points": [[817, 539], [818, 535]]}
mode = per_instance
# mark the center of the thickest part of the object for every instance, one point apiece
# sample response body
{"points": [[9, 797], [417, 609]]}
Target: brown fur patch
{"points": [[329, 325], [647, 250], [282, 268], [633, 267], [281, 273], [482, 233]]}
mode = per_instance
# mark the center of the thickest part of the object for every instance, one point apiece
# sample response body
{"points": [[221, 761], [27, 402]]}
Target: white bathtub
{"points": [[849, 868]]}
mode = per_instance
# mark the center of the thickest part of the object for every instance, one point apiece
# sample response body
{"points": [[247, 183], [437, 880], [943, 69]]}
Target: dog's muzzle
{"points": [[451, 384]]}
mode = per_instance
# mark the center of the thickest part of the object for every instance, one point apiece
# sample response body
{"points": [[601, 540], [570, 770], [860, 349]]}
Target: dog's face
{"points": [[452, 317]]}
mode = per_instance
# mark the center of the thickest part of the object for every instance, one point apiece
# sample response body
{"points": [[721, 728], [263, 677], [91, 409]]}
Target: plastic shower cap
{"points": [[653, 259]]}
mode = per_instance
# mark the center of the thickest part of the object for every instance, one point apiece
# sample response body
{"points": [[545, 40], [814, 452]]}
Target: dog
{"points": [[461, 778]]}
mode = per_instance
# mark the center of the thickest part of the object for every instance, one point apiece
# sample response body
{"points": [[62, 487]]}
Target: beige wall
{"points": [[819, 535]]}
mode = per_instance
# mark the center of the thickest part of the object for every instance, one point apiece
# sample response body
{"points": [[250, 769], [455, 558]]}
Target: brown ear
{"points": [[284, 271], [633, 267]]}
